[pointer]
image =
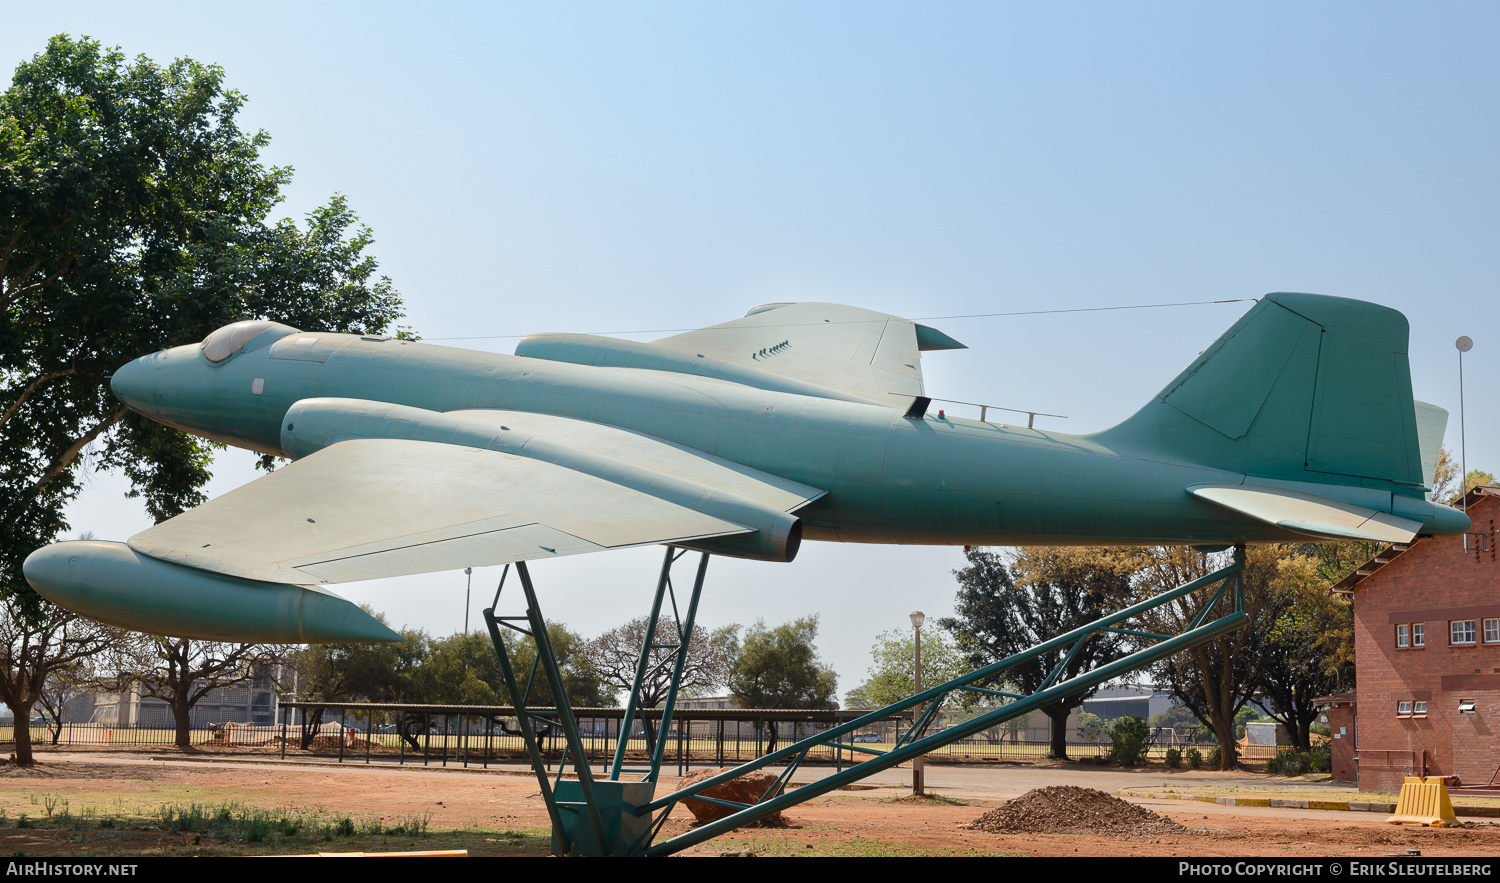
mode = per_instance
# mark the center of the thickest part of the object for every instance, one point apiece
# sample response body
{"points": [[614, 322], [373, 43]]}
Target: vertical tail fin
{"points": [[1303, 387]]}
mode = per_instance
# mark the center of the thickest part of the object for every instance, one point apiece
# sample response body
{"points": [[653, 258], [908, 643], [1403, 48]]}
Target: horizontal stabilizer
{"points": [[1432, 422], [1309, 514], [860, 352]]}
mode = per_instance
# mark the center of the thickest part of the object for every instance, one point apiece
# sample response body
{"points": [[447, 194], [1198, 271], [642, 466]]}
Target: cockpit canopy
{"points": [[230, 339]]}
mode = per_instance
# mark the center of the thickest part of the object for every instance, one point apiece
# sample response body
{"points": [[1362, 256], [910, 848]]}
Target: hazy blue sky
{"points": [[621, 167]]}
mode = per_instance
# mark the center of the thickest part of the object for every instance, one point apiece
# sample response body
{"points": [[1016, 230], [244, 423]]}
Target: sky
{"points": [[648, 167]]}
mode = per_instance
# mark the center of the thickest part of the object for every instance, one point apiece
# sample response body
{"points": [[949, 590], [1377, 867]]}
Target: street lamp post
{"points": [[468, 586], [917, 765]]}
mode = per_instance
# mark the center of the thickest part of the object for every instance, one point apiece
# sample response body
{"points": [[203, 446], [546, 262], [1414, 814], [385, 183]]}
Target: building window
{"points": [[1419, 708], [1492, 631], [1403, 709], [1461, 631], [1466, 706], [1418, 634], [1403, 636]]}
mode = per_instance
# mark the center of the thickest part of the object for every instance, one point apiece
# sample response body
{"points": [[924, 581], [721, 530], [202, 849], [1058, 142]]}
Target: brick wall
{"points": [[1434, 583], [1341, 720]]}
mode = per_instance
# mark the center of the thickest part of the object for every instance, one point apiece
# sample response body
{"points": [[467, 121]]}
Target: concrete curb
{"points": [[1483, 812]]}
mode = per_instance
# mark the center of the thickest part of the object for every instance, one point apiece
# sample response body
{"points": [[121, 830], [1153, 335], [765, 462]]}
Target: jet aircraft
{"points": [[803, 421]]}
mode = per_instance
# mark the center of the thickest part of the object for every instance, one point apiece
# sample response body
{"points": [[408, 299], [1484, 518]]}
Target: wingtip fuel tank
{"points": [[121, 587]]}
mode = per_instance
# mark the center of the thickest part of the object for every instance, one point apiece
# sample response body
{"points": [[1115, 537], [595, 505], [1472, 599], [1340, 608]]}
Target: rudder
{"points": [[1303, 387]]}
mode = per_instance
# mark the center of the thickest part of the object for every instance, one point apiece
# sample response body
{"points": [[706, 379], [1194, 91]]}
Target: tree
{"points": [[373, 672], [1473, 479], [39, 641], [133, 216], [181, 671], [893, 664], [1309, 648], [1446, 487], [615, 653], [1214, 679], [859, 698], [779, 668], [1179, 718], [586, 689], [1044, 593]]}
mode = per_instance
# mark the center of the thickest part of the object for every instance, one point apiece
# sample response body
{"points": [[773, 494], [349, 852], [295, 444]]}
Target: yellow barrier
{"points": [[1424, 802]]}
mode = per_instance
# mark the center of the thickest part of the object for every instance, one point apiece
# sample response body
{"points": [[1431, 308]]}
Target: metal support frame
{"points": [[561, 716], [618, 817], [589, 816], [915, 743], [683, 634]]}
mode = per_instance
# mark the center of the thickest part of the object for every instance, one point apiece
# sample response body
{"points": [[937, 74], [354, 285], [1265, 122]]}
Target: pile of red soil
{"points": [[1065, 809]]}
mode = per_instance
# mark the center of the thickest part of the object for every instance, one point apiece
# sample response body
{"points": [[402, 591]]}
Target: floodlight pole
{"points": [[918, 763], [1463, 345]]}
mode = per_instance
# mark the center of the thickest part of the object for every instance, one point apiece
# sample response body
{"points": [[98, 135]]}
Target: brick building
{"points": [[1427, 657]]}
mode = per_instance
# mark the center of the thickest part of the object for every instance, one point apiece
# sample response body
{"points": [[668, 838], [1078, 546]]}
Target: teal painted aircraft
{"points": [[798, 421]]}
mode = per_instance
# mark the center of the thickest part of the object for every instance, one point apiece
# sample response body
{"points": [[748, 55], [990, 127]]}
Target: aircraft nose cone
{"points": [[135, 384]]}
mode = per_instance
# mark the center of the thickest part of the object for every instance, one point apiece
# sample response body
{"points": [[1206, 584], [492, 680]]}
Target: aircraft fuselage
{"points": [[890, 478]]}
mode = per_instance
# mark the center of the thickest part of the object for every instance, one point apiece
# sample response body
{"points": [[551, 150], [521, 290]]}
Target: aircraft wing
{"points": [[365, 507], [861, 352]]}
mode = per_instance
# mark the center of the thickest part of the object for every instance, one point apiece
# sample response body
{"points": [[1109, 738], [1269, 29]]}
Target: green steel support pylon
{"points": [[617, 817]]}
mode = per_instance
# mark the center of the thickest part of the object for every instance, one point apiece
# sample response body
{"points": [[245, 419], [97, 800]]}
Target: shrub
{"points": [[1174, 758], [1128, 738], [1091, 728], [1291, 762], [1194, 758], [1215, 758], [1322, 758]]}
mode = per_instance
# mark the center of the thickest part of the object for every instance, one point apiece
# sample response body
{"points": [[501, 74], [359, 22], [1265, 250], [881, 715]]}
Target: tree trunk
{"points": [[1057, 714], [411, 726], [182, 716], [310, 724], [1222, 716], [23, 734]]}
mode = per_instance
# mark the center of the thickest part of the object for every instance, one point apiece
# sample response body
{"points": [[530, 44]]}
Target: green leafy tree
{"points": [[779, 668], [134, 216], [893, 664], [1092, 728], [372, 672], [1309, 648], [1184, 722], [586, 689], [1129, 740], [1215, 679], [1001, 611], [859, 697]]}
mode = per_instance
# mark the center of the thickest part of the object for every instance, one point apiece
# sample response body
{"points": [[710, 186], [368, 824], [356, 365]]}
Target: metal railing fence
{"points": [[484, 736]]}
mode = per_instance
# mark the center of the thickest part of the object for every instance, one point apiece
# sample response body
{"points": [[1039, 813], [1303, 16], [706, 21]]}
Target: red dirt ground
{"points": [[844, 823]]}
